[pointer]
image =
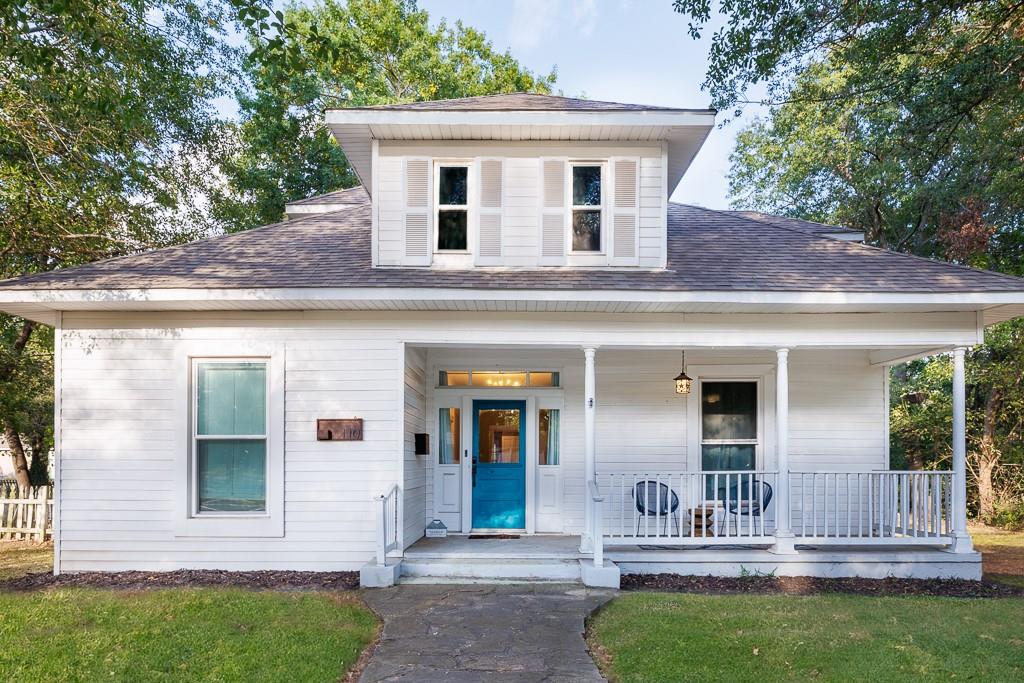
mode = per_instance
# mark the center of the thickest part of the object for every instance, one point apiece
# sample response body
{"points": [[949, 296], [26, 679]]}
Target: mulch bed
{"points": [[184, 578], [803, 585]]}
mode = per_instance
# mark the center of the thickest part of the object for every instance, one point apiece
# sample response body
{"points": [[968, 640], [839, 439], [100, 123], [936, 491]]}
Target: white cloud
{"points": [[531, 21]]}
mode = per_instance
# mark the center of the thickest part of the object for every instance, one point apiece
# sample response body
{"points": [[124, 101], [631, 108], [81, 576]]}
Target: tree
{"points": [[105, 116], [378, 52], [903, 120]]}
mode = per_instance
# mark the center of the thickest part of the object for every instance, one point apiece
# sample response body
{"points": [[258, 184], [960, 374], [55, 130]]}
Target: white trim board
{"points": [[92, 297], [699, 118]]}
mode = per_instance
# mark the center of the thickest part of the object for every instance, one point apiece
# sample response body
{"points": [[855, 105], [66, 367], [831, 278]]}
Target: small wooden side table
{"points": [[704, 519]]}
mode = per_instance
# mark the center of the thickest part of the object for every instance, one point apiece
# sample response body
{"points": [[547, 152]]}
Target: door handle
{"points": [[474, 469]]}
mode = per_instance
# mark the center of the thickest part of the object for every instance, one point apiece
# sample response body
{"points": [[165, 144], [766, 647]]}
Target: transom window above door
{"points": [[587, 198], [452, 207], [498, 379]]}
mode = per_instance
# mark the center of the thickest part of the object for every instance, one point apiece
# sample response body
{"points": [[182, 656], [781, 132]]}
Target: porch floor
{"points": [[536, 547], [546, 550]]}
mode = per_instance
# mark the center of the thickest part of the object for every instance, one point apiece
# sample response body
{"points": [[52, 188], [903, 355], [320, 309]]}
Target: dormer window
{"points": [[452, 210], [587, 205]]}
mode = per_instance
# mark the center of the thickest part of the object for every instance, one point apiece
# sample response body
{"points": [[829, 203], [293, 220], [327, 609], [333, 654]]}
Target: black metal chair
{"points": [[748, 498], [654, 499]]}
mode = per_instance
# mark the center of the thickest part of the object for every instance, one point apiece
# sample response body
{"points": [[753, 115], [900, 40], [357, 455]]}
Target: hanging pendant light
{"points": [[683, 380]]}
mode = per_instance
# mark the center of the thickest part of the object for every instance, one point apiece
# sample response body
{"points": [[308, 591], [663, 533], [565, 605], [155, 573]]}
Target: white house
{"points": [[489, 334]]}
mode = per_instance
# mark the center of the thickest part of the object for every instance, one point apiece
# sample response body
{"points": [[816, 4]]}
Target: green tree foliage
{"points": [[377, 52], [105, 119], [904, 120]]}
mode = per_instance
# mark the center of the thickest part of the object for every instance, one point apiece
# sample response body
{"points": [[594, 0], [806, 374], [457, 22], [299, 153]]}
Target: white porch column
{"points": [[783, 533], [589, 440], [961, 539]]}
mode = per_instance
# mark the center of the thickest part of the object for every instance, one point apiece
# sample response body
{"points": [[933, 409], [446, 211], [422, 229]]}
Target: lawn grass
{"points": [[201, 634], [18, 558], [1002, 553], [678, 637]]}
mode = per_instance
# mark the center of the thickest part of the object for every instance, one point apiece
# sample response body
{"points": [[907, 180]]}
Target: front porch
{"points": [[620, 475], [557, 557]]}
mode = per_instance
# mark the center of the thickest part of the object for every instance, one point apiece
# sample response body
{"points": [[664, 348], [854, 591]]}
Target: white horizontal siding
{"points": [[837, 410], [522, 186], [653, 212], [415, 466], [119, 396], [390, 205], [118, 459]]}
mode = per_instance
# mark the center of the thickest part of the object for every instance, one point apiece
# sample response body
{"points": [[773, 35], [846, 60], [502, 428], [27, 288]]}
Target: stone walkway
{"points": [[523, 633]]}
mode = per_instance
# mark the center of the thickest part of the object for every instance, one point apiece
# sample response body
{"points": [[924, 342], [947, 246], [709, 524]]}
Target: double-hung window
{"points": [[587, 205], [229, 436], [729, 429], [452, 219]]}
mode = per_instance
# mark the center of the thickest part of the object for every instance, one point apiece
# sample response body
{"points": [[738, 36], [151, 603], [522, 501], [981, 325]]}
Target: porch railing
{"points": [[389, 515], [688, 508], [676, 508], [891, 506]]}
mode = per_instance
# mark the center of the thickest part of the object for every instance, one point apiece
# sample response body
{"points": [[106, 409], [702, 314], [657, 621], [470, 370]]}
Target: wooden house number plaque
{"points": [[350, 429]]}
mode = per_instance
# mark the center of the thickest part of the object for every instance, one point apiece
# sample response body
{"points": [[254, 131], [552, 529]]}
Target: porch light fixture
{"points": [[683, 380]]}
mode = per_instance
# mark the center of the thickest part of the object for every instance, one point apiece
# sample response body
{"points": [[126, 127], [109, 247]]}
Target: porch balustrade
{"points": [[688, 508], [676, 508], [849, 508]]}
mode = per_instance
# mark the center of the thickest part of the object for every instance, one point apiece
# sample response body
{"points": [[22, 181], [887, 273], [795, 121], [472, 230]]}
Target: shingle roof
{"points": [[520, 101], [795, 223], [352, 195], [708, 251]]}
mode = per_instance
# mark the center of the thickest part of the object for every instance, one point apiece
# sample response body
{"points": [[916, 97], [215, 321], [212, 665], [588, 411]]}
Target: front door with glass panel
{"points": [[499, 465]]}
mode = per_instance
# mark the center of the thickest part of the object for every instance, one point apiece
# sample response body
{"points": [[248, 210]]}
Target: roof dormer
{"points": [[520, 180]]}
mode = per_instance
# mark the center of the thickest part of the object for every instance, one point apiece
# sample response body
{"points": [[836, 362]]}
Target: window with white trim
{"points": [[229, 436], [587, 207], [729, 433], [452, 215]]}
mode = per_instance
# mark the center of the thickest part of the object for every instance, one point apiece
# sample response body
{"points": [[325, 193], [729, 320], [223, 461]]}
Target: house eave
{"points": [[683, 130], [42, 304], [681, 117]]}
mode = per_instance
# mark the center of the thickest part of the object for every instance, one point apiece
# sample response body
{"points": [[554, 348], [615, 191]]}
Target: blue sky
{"points": [[620, 50], [635, 51]]}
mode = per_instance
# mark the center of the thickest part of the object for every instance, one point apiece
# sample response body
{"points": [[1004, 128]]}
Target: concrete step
{"points": [[490, 570]]}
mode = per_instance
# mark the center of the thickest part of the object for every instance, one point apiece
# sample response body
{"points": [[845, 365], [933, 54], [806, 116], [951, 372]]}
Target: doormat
{"points": [[501, 536]]}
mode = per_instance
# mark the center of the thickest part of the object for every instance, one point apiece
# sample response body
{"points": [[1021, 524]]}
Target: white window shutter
{"points": [[625, 211], [553, 213], [418, 247], [492, 187]]}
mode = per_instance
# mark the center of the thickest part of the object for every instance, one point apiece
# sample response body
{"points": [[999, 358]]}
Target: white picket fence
{"points": [[25, 513]]}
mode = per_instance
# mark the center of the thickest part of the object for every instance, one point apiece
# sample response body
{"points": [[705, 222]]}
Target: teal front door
{"points": [[499, 464]]}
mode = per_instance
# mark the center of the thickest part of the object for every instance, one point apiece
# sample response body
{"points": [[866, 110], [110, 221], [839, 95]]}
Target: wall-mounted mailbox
{"points": [[350, 429], [422, 444]]}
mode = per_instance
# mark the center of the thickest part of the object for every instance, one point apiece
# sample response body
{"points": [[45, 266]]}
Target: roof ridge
{"points": [[442, 104], [862, 245], [743, 213], [323, 194]]}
